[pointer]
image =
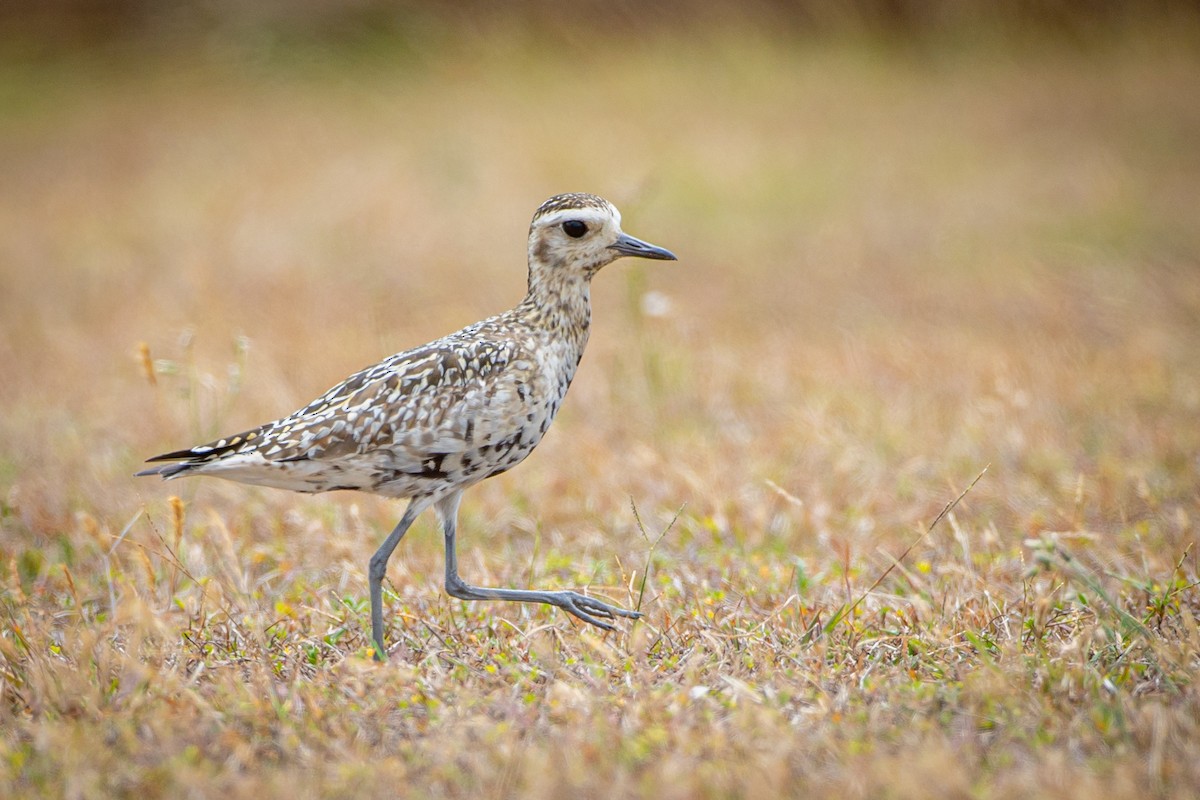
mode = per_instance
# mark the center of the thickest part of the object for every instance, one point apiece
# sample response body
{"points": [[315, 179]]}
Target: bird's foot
{"points": [[589, 609]]}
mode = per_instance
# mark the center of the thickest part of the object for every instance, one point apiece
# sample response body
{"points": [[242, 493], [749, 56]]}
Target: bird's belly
{"points": [[485, 433], [494, 448]]}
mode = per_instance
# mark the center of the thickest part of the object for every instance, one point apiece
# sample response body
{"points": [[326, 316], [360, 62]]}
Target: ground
{"points": [[898, 266]]}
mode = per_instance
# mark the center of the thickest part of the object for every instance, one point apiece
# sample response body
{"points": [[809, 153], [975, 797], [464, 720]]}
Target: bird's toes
{"points": [[584, 608], [588, 618], [602, 609]]}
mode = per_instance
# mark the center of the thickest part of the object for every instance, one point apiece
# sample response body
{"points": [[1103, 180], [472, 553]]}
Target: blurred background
{"points": [[915, 238]]}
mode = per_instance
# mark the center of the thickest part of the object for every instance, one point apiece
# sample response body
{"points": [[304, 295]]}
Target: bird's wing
{"points": [[416, 404]]}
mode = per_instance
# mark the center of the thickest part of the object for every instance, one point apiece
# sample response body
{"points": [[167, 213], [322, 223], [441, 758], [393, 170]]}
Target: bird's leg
{"points": [[378, 569], [588, 609]]}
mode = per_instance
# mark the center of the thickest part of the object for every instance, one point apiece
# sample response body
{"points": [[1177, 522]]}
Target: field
{"points": [[899, 265]]}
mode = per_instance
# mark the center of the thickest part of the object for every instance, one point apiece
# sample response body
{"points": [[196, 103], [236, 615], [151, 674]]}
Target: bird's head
{"points": [[580, 233]]}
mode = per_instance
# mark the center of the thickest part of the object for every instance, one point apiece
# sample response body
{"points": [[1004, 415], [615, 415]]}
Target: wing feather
{"points": [[420, 404]]}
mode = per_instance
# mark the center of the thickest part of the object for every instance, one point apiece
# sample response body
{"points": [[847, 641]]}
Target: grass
{"points": [[896, 268]]}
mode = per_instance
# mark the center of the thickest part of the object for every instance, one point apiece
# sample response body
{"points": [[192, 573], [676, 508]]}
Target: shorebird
{"points": [[428, 423]]}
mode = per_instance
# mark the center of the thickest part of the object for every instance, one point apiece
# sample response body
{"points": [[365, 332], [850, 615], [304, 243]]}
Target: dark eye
{"points": [[574, 228]]}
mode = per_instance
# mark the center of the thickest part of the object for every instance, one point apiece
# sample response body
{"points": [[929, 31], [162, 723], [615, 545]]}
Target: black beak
{"points": [[626, 245]]}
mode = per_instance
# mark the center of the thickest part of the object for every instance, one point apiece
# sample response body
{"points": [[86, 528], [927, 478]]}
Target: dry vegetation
{"points": [[897, 267]]}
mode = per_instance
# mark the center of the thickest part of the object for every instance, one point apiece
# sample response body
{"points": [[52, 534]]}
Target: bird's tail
{"points": [[167, 471], [195, 457]]}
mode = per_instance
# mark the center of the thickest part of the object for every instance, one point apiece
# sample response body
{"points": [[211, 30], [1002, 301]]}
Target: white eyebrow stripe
{"points": [[582, 214]]}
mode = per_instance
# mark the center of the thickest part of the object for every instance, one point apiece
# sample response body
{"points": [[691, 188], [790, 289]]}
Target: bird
{"points": [[428, 423]]}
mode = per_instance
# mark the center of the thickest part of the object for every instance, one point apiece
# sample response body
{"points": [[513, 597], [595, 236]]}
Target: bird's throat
{"points": [[560, 302]]}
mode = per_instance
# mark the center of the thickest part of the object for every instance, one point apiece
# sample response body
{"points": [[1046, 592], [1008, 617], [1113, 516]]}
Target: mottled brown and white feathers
{"points": [[441, 417]]}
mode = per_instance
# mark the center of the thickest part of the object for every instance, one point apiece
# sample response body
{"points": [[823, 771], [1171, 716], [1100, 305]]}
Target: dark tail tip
{"points": [[166, 470], [176, 455]]}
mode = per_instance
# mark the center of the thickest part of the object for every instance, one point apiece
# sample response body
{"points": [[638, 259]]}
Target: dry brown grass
{"points": [[895, 269]]}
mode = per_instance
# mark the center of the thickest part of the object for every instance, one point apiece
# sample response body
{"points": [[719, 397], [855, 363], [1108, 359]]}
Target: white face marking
{"points": [[550, 243]]}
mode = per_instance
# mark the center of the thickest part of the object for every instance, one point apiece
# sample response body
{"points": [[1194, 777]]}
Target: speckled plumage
{"points": [[430, 422]]}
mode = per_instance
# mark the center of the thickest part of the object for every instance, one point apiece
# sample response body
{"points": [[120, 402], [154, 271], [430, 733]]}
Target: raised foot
{"points": [[589, 608]]}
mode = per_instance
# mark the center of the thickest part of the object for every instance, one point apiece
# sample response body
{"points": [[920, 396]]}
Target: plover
{"points": [[428, 423]]}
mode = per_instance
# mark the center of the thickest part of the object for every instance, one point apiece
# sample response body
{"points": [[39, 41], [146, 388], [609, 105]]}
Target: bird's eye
{"points": [[574, 228]]}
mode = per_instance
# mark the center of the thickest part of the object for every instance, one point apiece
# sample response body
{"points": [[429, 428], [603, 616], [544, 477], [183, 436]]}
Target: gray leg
{"points": [[582, 606], [379, 568]]}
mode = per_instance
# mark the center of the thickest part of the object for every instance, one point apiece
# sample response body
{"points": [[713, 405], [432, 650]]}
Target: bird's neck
{"points": [[559, 301]]}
